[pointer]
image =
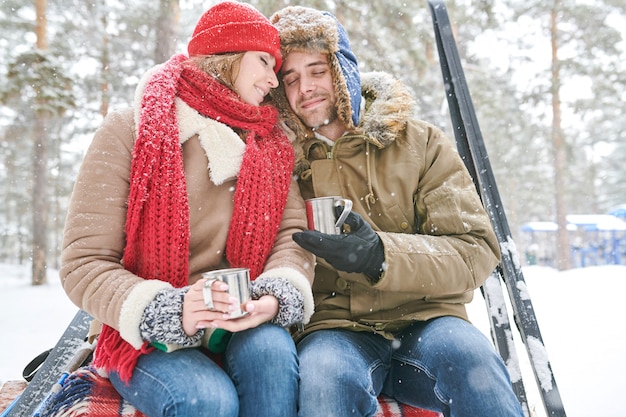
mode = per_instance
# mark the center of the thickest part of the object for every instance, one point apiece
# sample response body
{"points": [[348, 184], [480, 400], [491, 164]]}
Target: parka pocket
{"points": [[443, 212], [393, 219]]}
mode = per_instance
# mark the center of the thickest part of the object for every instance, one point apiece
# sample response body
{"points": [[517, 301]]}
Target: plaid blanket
{"points": [[388, 407], [87, 394]]}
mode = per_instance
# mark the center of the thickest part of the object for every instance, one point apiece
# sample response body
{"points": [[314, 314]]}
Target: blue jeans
{"points": [[445, 364], [259, 378]]}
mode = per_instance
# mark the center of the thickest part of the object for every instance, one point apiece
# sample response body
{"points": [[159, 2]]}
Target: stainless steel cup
{"points": [[238, 280], [320, 214]]}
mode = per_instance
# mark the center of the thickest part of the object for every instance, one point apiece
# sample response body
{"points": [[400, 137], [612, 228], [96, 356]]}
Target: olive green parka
{"points": [[407, 180]]}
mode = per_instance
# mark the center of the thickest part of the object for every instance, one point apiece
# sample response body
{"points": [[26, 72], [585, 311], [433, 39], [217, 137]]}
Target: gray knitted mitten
{"points": [[290, 300], [162, 319]]}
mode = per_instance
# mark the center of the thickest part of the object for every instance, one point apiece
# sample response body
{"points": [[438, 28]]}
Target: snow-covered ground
{"points": [[581, 314]]}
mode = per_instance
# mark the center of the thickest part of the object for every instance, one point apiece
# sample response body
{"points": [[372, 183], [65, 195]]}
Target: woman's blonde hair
{"points": [[224, 67]]}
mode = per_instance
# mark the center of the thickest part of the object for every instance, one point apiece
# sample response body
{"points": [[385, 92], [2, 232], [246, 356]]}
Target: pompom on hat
{"points": [[303, 29], [234, 27]]}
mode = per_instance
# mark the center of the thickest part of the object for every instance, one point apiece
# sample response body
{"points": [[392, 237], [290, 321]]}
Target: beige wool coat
{"points": [[93, 243], [408, 182]]}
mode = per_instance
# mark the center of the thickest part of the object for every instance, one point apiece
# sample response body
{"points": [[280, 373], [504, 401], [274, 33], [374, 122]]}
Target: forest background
{"points": [[547, 79]]}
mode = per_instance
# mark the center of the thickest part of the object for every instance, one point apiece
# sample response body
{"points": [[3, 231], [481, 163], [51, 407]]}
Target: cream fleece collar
{"points": [[223, 147]]}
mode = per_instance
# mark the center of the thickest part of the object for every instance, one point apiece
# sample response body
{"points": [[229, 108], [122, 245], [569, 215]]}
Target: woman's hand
{"points": [[259, 311], [195, 313]]}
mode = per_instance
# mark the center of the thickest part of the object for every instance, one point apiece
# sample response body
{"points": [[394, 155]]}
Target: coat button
{"points": [[341, 283], [404, 225]]}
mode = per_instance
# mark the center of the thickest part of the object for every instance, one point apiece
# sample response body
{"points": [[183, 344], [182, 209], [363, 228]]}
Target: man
{"points": [[390, 291]]}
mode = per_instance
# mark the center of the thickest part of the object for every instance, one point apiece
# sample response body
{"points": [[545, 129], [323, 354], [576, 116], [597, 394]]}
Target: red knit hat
{"points": [[234, 27]]}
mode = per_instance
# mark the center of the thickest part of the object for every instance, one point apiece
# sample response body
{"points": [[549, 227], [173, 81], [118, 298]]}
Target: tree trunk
{"points": [[41, 24], [559, 152], [40, 201], [40, 167], [167, 30]]}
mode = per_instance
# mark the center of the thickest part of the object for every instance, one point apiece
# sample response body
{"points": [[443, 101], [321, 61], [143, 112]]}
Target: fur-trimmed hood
{"points": [[387, 106], [303, 29]]}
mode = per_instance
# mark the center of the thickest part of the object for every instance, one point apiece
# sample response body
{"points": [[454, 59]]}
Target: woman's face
{"points": [[255, 77]]}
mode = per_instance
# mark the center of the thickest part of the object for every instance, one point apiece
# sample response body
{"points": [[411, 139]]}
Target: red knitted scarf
{"points": [[157, 222]]}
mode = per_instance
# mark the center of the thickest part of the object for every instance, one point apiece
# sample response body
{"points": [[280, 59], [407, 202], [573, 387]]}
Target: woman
{"points": [[196, 178]]}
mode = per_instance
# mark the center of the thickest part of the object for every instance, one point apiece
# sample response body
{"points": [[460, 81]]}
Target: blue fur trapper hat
{"points": [[303, 29]]}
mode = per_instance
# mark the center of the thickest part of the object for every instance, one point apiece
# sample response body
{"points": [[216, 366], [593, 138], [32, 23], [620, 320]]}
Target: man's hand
{"points": [[359, 250]]}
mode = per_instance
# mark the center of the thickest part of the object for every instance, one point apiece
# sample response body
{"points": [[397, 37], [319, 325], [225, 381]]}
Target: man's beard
{"points": [[319, 118], [332, 116]]}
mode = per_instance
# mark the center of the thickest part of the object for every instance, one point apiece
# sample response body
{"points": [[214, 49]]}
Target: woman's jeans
{"points": [[445, 364], [260, 378]]}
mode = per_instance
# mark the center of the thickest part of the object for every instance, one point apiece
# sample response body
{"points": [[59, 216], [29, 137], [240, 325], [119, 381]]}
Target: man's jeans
{"points": [[260, 378], [445, 364]]}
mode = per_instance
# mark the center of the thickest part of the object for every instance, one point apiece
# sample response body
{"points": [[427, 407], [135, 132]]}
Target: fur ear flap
{"points": [[299, 132]]}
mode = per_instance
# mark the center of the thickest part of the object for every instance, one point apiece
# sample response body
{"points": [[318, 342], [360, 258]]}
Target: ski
{"points": [[69, 352], [492, 292], [472, 149]]}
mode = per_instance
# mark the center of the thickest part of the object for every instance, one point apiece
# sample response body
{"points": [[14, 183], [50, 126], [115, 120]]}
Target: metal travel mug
{"points": [[238, 280], [320, 214]]}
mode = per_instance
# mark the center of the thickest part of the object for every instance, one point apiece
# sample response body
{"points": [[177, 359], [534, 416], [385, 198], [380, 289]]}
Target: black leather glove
{"points": [[359, 250]]}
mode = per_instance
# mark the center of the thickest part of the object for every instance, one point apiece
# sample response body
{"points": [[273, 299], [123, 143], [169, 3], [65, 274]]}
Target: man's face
{"points": [[309, 88]]}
